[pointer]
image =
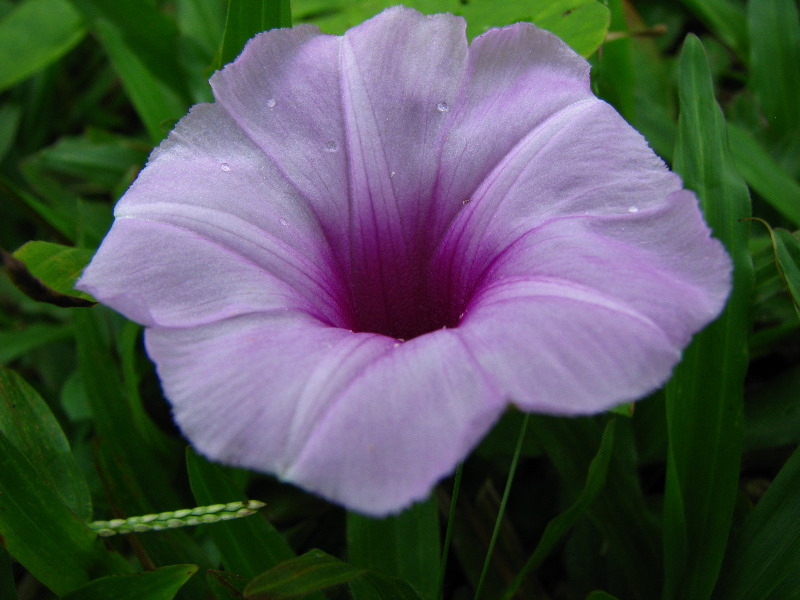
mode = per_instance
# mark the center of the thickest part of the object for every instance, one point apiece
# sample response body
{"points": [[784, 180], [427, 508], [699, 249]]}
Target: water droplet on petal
{"points": [[331, 146], [283, 222], [443, 107], [466, 201], [392, 174], [271, 102], [225, 167], [633, 209]]}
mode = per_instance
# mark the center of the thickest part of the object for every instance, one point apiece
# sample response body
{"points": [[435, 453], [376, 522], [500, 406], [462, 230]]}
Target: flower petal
{"points": [[564, 167], [160, 275], [357, 418], [517, 78], [594, 311]]}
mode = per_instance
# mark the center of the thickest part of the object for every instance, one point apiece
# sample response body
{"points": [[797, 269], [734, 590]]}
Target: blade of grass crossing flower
{"points": [[763, 174], [28, 423], [705, 395], [762, 563], [161, 584], [40, 532], [35, 34], [247, 18], [247, 548], [557, 527], [511, 471], [448, 536], [316, 571], [774, 58], [404, 546]]}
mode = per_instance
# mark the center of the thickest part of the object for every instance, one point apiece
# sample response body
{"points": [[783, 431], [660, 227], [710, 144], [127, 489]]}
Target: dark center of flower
{"points": [[398, 297]]}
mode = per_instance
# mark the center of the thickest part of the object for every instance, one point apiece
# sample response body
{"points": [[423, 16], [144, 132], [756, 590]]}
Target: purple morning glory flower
{"points": [[369, 245]]}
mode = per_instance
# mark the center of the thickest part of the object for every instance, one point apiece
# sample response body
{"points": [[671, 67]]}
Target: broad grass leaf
{"points": [[705, 395], [28, 423], [160, 584], [35, 34], [39, 531], [774, 28], [405, 545], [764, 174], [762, 563], [55, 265], [316, 571]]}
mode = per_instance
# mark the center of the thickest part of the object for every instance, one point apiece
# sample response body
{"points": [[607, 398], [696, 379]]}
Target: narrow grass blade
{"points": [[558, 526], [705, 395], [28, 423], [619, 515], [765, 175], [35, 34], [247, 18], [774, 58], [161, 584], [316, 571], [405, 545], [763, 560], [246, 547]]}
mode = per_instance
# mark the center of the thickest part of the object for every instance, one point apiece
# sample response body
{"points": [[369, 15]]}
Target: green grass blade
{"points": [[247, 548], [247, 18], [726, 19], [763, 559], [160, 584], [774, 58], [619, 513], [558, 526], [147, 32], [121, 424], [158, 105], [705, 395], [27, 422], [43, 534], [763, 174], [405, 545], [35, 34], [316, 571], [787, 253]]}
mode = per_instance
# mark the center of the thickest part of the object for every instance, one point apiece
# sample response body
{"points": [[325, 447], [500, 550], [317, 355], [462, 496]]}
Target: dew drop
{"points": [[225, 167], [443, 107], [392, 174], [633, 209], [397, 344], [466, 201], [331, 146], [283, 221], [271, 102]]}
